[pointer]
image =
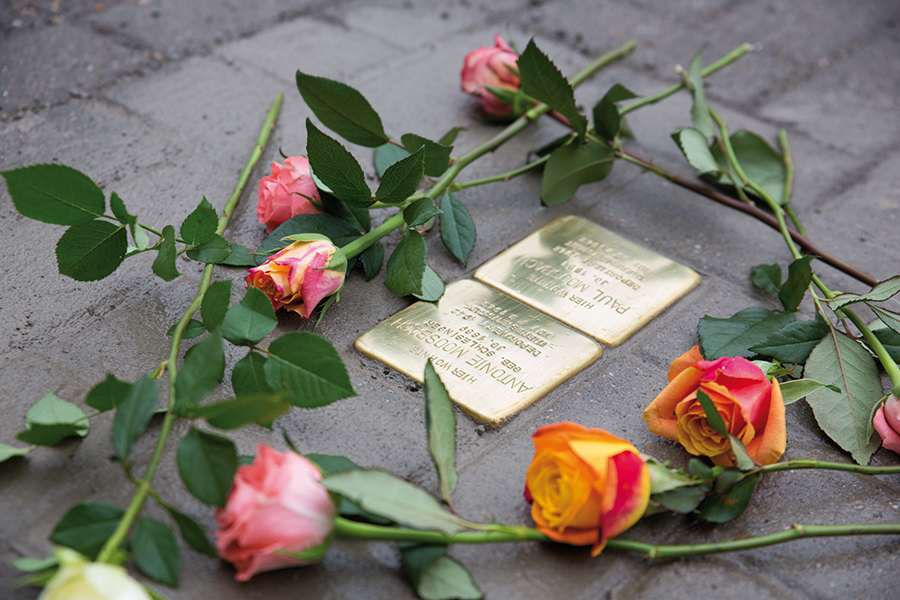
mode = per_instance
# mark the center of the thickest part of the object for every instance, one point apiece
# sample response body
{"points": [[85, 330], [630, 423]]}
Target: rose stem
{"points": [[511, 130], [121, 532], [806, 463]]}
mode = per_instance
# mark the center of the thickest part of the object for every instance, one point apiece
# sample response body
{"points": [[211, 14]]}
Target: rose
{"points": [[491, 67], [887, 423], [80, 579], [286, 193], [296, 278], [585, 486], [750, 406], [277, 514]]}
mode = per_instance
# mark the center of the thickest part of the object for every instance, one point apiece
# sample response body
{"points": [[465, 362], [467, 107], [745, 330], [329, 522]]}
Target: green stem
{"points": [[150, 229], [806, 463], [719, 64], [503, 176], [788, 161], [144, 488], [363, 242], [355, 530]]}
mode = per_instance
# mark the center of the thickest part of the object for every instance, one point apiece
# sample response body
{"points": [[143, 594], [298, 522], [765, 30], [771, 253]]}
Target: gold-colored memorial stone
{"points": [[589, 277], [494, 354]]}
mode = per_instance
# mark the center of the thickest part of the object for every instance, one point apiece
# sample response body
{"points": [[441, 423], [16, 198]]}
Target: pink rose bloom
{"points": [[294, 279], [281, 196], [276, 503], [490, 67], [887, 424]]}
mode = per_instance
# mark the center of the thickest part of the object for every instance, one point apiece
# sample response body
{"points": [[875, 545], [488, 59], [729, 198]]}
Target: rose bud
{"points": [[301, 275], [78, 578], [491, 67], [286, 193], [750, 405], [276, 504], [887, 423], [585, 486]]}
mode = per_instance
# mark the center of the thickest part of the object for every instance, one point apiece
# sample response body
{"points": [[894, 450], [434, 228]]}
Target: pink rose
{"points": [[285, 194], [296, 278], [276, 503], [887, 424], [491, 67]]}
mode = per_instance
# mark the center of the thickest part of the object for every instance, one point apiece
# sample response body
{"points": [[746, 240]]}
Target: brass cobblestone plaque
{"points": [[589, 277], [494, 354]]}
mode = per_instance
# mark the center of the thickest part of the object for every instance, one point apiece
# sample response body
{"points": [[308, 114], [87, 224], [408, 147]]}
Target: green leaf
{"points": [[192, 533], [200, 225], [207, 464], [432, 286], [713, 418], [356, 216], [741, 456], [544, 82], [327, 225], [663, 479], [262, 409], [390, 497], [891, 341], [108, 394], [572, 166], [122, 215], [762, 165], [164, 264], [133, 415], [240, 257], [371, 259], [51, 419], [420, 212], [406, 266], [31, 565], [215, 304], [342, 109], [336, 167], [309, 366], [202, 371], [440, 422], [156, 551], [794, 288], [248, 376], [682, 500], [450, 137], [766, 277], [721, 508], [606, 114], [54, 194], [696, 150], [793, 343], [437, 576], [457, 228], [215, 250], [7, 452], [700, 110], [87, 526], [92, 250], [794, 390], [386, 155], [192, 330], [437, 156], [401, 179], [249, 321], [844, 416], [889, 318], [330, 464], [880, 292], [735, 335]]}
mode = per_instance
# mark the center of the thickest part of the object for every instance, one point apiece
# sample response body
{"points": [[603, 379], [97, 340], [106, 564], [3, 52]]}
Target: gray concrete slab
{"points": [[169, 114]]}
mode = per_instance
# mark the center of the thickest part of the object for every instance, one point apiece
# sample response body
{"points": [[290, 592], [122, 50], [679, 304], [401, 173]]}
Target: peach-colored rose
{"points": [[286, 193], [296, 279], [585, 486], [751, 407], [276, 503], [887, 424], [491, 67]]}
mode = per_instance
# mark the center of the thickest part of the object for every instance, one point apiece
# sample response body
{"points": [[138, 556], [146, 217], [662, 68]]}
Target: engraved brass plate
{"points": [[494, 354], [589, 277]]}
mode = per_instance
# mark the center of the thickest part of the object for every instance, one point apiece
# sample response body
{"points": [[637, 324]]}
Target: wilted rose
{"points": [[585, 486], [750, 405], [286, 193], [276, 509], [491, 67], [887, 423], [80, 579], [296, 279]]}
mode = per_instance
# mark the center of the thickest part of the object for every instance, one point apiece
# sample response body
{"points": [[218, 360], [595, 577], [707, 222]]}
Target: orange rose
{"points": [[585, 486], [750, 405]]}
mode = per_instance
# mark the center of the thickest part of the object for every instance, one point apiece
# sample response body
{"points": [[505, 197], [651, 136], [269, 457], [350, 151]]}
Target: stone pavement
{"points": [[161, 100]]}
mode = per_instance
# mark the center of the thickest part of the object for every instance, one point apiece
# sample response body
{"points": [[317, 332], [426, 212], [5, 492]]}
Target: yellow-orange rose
{"points": [[585, 486], [751, 407]]}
